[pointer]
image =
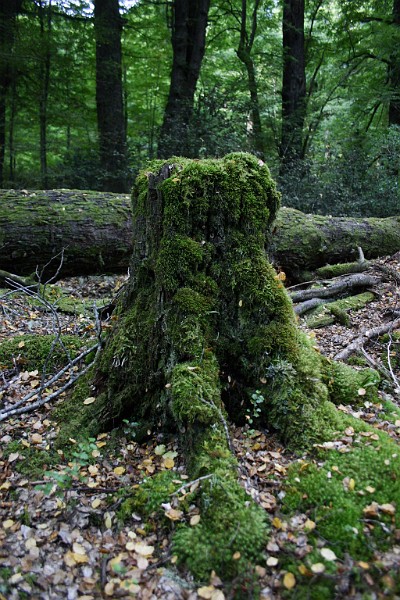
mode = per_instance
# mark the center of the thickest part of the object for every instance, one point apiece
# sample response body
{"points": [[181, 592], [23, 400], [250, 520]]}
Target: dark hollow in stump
{"points": [[205, 330]]}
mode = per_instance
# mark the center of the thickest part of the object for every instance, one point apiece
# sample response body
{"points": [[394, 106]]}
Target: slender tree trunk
{"points": [[45, 34], [394, 74], [244, 55], [109, 95], [294, 82], [188, 44], [11, 147], [8, 11]]}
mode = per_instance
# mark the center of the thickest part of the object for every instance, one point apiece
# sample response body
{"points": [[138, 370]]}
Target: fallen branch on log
{"points": [[366, 335]]}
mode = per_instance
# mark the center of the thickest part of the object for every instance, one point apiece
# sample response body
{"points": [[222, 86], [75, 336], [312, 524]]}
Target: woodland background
{"points": [[89, 93]]}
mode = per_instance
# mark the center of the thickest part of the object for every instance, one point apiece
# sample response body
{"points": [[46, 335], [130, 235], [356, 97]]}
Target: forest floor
{"points": [[60, 535]]}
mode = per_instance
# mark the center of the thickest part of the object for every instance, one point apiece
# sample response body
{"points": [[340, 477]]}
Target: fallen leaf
{"points": [[206, 592], [289, 581], [388, 509], [309, 525], [96, 503], [144, 549], [168, 463], [272, 561], [8, 524], [328, 554], [195, 520], [236, 556], [89, 400], [173, 514], [362, 391], [119, 470], [277, 523], [36, 438], [107, 520], [318, 568]]}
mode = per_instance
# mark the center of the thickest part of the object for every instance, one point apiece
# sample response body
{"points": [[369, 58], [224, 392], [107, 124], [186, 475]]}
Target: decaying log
{"points": [[94, 228]]}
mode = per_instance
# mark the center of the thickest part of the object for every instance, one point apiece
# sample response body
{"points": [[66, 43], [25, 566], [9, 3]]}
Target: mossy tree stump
{"points": [[205, 324]]}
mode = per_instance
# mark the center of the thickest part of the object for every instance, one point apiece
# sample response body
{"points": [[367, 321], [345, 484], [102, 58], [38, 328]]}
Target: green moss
{"points": [[349, 386], [326, 314], [35, 460], [150, 496], [330, 271], [34, 351], [337, 508]]}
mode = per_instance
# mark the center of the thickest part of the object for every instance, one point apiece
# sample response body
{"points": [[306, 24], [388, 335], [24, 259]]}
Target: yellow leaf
{"points": [[168, 463], [303, 569], [363, 565], [119, 470], [8, 524], [21, 344], [388, 509], [99, 445], [206, 592], [80, 558], [370, 489], [352, 484], [289, 581], [217, 595], [107, 520], [236, 556], [277, 523], [309, 525], [89, 400], [96, 503], [281, 276], [69, 559], [144, 550], [195, 520]]}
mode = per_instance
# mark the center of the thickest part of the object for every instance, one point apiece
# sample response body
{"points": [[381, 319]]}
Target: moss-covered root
{"points": [[347, 385], [232, 528]]}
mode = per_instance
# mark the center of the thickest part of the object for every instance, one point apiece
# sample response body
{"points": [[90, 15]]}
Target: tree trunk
{"points": [[188, 45], [244, 55], [206, 332], [109, 95], [95, 230], [45, 66], [8, 11], [394, 73], [293, 83]]}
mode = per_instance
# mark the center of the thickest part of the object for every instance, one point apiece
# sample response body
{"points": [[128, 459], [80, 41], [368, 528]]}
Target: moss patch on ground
{"points": [[34, 351]]}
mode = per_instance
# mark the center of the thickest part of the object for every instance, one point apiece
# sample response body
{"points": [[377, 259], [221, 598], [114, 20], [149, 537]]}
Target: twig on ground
{"points": [[366, 335]]}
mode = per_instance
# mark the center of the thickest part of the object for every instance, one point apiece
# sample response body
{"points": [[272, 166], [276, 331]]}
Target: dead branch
{"points": [[365, 336], [307, 305], [344, 285]]}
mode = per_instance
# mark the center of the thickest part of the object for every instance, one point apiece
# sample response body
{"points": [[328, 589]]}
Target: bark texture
{"points": [[93, 229]]}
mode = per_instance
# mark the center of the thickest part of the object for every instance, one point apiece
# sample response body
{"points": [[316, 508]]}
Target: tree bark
{"points": [[95, 230], [109, 95], [293, 83], [188, 45]]}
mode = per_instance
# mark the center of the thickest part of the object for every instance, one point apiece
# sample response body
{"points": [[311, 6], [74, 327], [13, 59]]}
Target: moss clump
{"points": [[34, 351], [149, 497], [330, 271], [35, 460], [326, 314], [349, 386]]}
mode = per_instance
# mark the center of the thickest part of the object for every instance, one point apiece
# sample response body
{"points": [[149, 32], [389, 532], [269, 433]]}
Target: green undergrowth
{"points": [[330, 271], [34, 351], [34, 460], [335, 491]]}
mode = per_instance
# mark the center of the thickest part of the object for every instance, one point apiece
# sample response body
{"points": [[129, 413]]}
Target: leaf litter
{"points": [[66, 542]]}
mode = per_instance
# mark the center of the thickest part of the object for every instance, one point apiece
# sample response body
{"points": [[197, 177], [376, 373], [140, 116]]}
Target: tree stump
{"points": [[204, 328]]}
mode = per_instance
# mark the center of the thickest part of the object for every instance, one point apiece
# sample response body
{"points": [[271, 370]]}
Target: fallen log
{"points": [[366, 335], [94, 228]]}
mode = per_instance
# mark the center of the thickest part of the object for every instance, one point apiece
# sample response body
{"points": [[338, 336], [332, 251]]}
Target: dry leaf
{"points": [[371, 510], [8, 524], [173, 514], [289, 581], [168, 463], [206, 592], [362, 392], [195, 520], [142, 563], [309, 525], [96, 503], [388, 509], [107, 520], [119, 470], [328, 554], [143, 549], [272, 561], [318, 568], [89, 400], [277, 523], [236, 556], [36, 438]]}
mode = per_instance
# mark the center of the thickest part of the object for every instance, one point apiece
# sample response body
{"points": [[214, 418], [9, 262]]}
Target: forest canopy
{"points": [[89, 93]]}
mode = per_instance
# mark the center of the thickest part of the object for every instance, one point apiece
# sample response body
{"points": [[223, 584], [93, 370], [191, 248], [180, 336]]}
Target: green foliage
{"points": [[35, 460], [151, 494]]}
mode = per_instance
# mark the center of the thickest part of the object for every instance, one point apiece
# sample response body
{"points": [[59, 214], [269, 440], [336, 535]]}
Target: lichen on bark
{"points": [[204, 324]]}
